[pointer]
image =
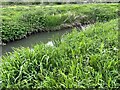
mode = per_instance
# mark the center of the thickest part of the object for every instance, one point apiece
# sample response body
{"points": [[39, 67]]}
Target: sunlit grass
{"points": [[86, 59], [20, 21]]}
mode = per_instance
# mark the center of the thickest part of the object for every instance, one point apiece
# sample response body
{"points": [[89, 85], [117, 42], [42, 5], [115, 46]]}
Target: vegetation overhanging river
{"points": [[45, 37]]}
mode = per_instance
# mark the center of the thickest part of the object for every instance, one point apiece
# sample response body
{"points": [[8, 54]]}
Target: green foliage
{"points": [[20, 21], [86, 59]]}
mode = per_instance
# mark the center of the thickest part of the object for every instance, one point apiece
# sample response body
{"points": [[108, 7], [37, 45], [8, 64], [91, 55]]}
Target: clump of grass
{"points": [[20, 21], [86, 59]]}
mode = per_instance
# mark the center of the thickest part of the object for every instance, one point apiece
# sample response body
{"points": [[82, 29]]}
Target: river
{"points": [[45, 37]]}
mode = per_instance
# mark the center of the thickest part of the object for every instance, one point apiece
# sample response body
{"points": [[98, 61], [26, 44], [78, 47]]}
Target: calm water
{"points": [[44, 37]]}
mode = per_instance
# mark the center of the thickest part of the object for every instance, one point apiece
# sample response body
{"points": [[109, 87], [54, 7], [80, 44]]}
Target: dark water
{"points": [[44, 37]]}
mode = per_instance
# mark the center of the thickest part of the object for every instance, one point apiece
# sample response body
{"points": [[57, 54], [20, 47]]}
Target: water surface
{"points": [[31, 40]]}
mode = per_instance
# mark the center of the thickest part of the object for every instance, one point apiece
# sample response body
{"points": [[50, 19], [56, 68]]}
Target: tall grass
{"points": [[86, 59], [20, 21]]}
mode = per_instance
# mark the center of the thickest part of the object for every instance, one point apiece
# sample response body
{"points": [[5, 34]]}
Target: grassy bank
{"points": [[20, 21], [86, 59]]}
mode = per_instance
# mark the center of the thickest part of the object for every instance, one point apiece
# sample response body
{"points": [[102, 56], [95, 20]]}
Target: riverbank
{"points": [[44, 37], [20, 21], [86, 59]]}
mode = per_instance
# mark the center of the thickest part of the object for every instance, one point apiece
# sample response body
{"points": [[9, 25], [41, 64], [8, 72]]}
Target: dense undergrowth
{"points": [[86, 59], [20, 21]]}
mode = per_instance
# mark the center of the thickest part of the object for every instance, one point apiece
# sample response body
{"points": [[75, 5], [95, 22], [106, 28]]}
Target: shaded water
{"points": [[31, 40]]}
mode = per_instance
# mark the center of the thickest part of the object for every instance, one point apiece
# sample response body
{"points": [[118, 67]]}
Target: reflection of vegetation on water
{"points": [[20, 21], [86, 59]]}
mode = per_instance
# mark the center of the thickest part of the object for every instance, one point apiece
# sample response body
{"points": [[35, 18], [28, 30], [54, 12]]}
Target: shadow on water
{"points": [[44, 37]]}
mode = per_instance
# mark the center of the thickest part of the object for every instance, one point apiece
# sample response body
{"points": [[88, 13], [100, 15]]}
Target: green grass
{"points": [[20, 21], [86, 59]]}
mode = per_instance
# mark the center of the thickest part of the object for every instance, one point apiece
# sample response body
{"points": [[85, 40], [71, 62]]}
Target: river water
{"points": [[45, 37]]}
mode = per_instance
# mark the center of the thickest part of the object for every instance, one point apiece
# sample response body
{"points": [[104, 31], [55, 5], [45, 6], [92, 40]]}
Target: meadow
{"points": [[80, 59], [88, 59], [20, 21]]}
